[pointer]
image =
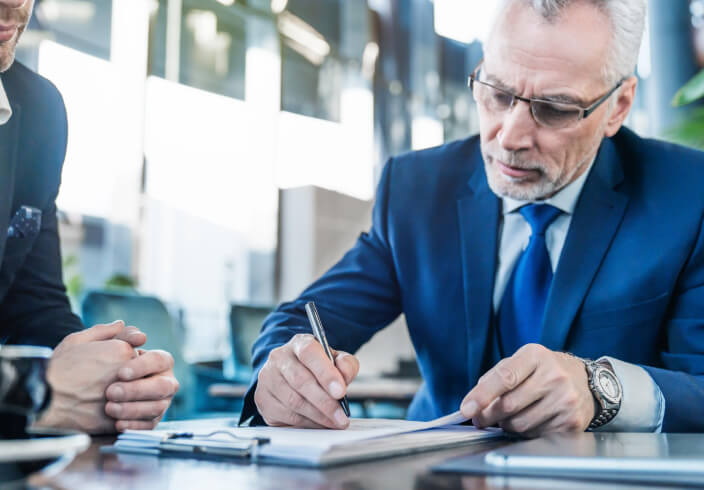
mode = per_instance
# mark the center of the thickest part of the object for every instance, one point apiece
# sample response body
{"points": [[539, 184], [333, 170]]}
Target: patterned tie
{"points": [[523, 303]]}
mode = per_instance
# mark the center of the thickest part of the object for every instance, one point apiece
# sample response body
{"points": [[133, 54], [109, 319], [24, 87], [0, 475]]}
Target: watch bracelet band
{"points": [[603, 418]]}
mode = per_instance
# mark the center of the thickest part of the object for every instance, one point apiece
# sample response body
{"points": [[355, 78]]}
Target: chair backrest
{"points": [[148, 314], [245, 323]]}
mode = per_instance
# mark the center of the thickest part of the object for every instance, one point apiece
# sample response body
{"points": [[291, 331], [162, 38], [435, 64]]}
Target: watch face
{"points": [[609, 385]]}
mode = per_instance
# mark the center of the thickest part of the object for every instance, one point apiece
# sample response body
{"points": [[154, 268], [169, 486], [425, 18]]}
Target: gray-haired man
{"points": [[554, 231]]}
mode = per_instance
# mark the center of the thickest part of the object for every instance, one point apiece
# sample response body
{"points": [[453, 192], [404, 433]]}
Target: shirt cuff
{"points": [[642, 404]]}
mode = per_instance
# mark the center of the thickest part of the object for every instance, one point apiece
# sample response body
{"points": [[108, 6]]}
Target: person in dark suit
{"points": [[550, 269], [100, 382]]}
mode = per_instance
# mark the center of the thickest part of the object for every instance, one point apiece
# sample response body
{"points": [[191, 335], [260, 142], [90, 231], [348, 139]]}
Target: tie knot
{"points": [[539, 216]]}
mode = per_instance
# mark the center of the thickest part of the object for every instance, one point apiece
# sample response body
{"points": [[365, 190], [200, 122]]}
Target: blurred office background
{"points": [[224, 153]]}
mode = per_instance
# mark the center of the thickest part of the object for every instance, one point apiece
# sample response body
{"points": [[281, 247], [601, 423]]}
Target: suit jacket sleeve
{"points": [[355, 298], [682, 378], [35, 309]]}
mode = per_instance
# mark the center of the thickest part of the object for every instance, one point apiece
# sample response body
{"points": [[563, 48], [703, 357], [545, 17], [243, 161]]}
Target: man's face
{"points": [[533, 58], [14, 17]]}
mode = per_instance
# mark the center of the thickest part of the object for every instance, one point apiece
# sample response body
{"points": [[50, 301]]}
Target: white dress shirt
{"points": [[5, 109], [642, 404]]}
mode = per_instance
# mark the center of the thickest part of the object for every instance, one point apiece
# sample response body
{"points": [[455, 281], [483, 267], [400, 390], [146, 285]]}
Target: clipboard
{"points": [[188, 444]]}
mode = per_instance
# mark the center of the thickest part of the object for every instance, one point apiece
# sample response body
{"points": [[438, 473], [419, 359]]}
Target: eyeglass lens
{"points": [[551, 114]]}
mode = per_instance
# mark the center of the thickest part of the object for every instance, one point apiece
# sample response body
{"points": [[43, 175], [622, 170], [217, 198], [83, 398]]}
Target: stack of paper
{"points": [[363, 439]]}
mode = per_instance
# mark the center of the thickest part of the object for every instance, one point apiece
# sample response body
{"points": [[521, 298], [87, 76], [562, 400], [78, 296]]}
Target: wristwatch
{"points": [[606, 389]]}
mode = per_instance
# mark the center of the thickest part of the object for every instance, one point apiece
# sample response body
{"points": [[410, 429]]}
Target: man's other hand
{"points": [[143, 391], [87, 363], [533, 392], [81, 368], [300, 387], [145, 386]]}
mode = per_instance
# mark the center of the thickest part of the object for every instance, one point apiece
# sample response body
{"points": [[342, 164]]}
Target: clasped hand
{"points": [[101, 383], [531, 393]]}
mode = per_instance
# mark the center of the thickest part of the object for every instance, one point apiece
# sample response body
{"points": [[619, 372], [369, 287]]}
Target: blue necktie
{"points": [[523, 303]]}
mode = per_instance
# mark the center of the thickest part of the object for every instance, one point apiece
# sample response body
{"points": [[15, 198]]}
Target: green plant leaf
{"points": [[689, 132], [74, 286], [119, 281], [693, 90]]}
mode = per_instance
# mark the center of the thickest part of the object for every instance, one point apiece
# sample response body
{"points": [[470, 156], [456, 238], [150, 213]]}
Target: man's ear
{"points": [[625, 96]]}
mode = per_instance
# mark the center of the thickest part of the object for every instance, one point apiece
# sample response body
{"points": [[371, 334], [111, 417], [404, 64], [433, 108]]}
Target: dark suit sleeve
{"points": [[36, 309], [355, 298], [682, 378]]}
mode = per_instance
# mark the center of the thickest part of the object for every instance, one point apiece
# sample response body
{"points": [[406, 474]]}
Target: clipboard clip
{"points": [[202, 444], [193, 435], [190, 445]]}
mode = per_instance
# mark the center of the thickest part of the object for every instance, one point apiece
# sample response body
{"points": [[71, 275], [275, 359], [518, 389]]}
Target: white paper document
{"points": [[363, 439]]}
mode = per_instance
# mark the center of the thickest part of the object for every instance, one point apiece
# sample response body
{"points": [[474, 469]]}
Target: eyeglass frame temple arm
{"points": [[602, 99]]}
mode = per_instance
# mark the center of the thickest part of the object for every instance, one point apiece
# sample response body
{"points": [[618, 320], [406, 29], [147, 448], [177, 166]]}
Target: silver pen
{"points": [[319, 333]]}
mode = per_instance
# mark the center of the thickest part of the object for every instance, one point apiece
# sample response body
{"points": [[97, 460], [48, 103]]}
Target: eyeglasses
{"points": [[548, 113]]}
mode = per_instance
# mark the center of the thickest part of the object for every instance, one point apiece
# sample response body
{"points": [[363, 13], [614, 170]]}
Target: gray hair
{"points": [[627, 19]]}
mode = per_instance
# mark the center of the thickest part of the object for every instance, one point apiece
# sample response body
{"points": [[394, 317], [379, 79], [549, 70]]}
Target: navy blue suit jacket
{"points": [[629, 283], [34, 308]]}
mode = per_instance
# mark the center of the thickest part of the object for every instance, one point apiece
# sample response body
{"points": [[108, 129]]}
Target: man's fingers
{"points": [[511, 403], [98, 332], [311, 354], [300, 379], [157, 387], [348, 365], [133, 336], [297, 403], [276, 413], [145, 411], [146, 364], [530, 418], [506, 376], [563, 417]]}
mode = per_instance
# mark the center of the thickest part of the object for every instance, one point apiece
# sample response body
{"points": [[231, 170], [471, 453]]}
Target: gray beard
{"points": [[536, 191]]}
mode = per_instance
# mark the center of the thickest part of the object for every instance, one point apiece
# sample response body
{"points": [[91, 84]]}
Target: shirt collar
{"points": [[5, 109], [565, 200]]}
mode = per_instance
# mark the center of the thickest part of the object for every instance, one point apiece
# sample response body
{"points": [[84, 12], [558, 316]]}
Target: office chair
{"points": [[245, 323]]}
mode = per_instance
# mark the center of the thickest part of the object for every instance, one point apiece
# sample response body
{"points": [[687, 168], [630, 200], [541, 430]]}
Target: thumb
{"points": [[101, 332], [347, 364], [133, 336]]}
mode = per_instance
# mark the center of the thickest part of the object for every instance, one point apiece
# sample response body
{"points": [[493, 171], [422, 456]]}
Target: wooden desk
{"points": [[93, 470], [381, 389]]}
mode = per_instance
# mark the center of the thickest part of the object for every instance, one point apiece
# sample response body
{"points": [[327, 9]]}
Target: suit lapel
{"points": [[9, 136], [597, 216], [478, 212]]}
